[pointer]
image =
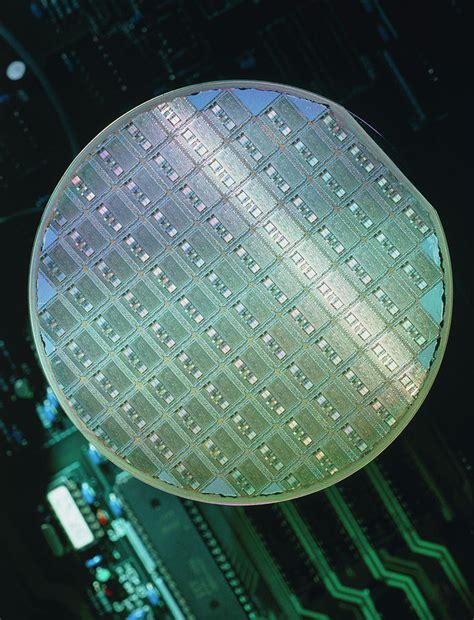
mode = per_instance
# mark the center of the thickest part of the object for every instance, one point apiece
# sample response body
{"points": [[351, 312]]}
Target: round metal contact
{"points": [[236, 296]]}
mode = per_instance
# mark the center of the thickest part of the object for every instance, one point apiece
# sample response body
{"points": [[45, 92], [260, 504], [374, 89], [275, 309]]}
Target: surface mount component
{"points": [[236, 295]]}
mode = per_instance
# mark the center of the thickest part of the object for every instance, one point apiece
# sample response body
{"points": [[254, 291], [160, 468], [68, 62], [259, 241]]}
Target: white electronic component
{"points": [[70, 517]]}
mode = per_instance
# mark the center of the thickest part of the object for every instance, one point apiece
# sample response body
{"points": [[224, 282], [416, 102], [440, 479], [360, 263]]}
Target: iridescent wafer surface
{"points": [[237, 296]]}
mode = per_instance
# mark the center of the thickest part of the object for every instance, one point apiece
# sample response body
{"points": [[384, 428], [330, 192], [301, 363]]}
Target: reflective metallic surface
{"points": [[237, 296]]}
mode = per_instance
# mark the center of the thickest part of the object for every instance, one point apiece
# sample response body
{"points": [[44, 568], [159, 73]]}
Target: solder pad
{"points": [[237, 296]]}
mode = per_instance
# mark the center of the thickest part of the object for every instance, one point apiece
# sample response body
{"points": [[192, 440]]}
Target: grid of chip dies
{"points": [[236, 295]]}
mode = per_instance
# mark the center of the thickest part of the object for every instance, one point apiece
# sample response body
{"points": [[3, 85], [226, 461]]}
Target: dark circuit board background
{"points": [[393, 541]]}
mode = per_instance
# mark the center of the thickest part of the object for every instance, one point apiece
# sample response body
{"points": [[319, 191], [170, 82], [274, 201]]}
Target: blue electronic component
{"points": [[137, 614], [152, 595], [94, 455], [88, 493], [50, 396], [48, 410], [94, 561], [36, 9], [115, 505], [18, 436]]}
